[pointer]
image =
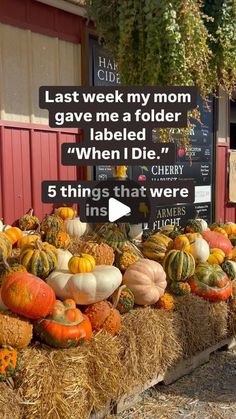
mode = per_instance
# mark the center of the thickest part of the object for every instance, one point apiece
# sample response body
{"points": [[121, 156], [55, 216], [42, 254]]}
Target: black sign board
{"points": [[195, 163]]}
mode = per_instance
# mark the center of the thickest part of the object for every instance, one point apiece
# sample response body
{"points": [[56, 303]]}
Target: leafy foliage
{"points": [[170, 42]]}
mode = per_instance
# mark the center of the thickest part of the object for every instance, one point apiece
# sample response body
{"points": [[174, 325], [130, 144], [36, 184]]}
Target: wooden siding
{"points": [[29, 155], [28, 61]]}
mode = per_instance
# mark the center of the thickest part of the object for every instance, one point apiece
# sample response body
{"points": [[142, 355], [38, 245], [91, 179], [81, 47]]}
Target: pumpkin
{"points": [[232, 238], [156, 246], [210, 282], [9, 362], [220, 230], [29, 221], [229, 267], [179, 265], [193, 226], [27, 295], [180, 288], [28, 239], [14, 331], [102, 253], [166, 302], [5, 247], [216, 256], [59, 239], [63, 257], [147, 281], [51, 221], [14, 234], [200, 250], [216, 224], [3, 227], [123, 299], [81, 263], [103, 315], [9, 269], [193, 236], [74, 227], [39, 258], [181, 242], [86, 288], [65, 212], [215, 239], [128, 255], [67, 327], [230, 228], [202, 222], [132, 231], [167, 229], [110, 234], [177, 231], [232, 254]]}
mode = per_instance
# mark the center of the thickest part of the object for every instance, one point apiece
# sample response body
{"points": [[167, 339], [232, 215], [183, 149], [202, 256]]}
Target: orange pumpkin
{"points": [[14, 234], [66, 327], [215, 239], [104, 316], [27, 295], [181, 242]]}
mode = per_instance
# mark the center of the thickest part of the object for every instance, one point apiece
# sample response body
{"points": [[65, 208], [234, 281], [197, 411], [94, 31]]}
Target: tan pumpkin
{"points": [[147, 281], [14, 331], [216, 256]]}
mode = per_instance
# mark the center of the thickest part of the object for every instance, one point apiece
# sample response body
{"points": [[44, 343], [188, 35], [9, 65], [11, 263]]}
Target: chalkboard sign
{"points": [[197, 163]]}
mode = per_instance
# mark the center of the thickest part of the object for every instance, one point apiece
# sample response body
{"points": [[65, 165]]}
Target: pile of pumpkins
{"points": [[62, 298]]}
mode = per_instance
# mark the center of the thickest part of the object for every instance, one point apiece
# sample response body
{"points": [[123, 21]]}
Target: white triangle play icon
{"points": [[117, 210]]}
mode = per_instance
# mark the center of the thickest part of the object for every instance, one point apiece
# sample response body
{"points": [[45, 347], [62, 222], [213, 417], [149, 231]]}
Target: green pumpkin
{"points": [[39, 258], [180, 288], [229, 267], [123, 299], [193, 226], [178, 265]]}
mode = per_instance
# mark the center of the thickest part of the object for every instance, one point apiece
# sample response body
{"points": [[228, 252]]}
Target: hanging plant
{"points": [[170, 43]]}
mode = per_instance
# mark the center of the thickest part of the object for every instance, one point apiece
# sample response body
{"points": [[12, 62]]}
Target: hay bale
{"points": [[70, 383], [149, 343], [199, 323], [9, 403], [232, 311]]}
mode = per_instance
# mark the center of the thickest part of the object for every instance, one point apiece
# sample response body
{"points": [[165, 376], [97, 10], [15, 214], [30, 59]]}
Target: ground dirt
{"points": [[208, 393]]}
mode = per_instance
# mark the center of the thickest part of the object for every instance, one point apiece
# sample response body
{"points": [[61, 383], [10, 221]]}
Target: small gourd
{"points": [[166, 302], [229, 267], [180, 288], [52, 221], [81, 263], [103, 315], [123, 299], [59, 239], [216, 256], [65, 212], [14, 234], [29, 221], [9, 362]]}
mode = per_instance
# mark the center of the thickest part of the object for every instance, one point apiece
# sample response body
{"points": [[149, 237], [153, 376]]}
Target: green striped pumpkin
{"points": [[39, 258], [5, 247], [178, 265], [156, 247]]}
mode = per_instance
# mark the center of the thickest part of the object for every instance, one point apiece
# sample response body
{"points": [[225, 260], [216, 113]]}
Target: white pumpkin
{"points": [[135, 231], [203, 223], [86, 288], [63, 257], [200, 250], [74, 227], [4, 227]]}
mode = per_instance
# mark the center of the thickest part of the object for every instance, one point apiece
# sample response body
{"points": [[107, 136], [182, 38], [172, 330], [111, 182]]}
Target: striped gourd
{"points": [[156, 246], [39, 258], [5, 247], [178, 265]]}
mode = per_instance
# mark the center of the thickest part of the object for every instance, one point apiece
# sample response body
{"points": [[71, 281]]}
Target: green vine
{"points": [[170, 42]]}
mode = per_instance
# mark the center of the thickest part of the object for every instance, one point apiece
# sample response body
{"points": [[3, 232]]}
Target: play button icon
{"points": [[117, 210]]}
